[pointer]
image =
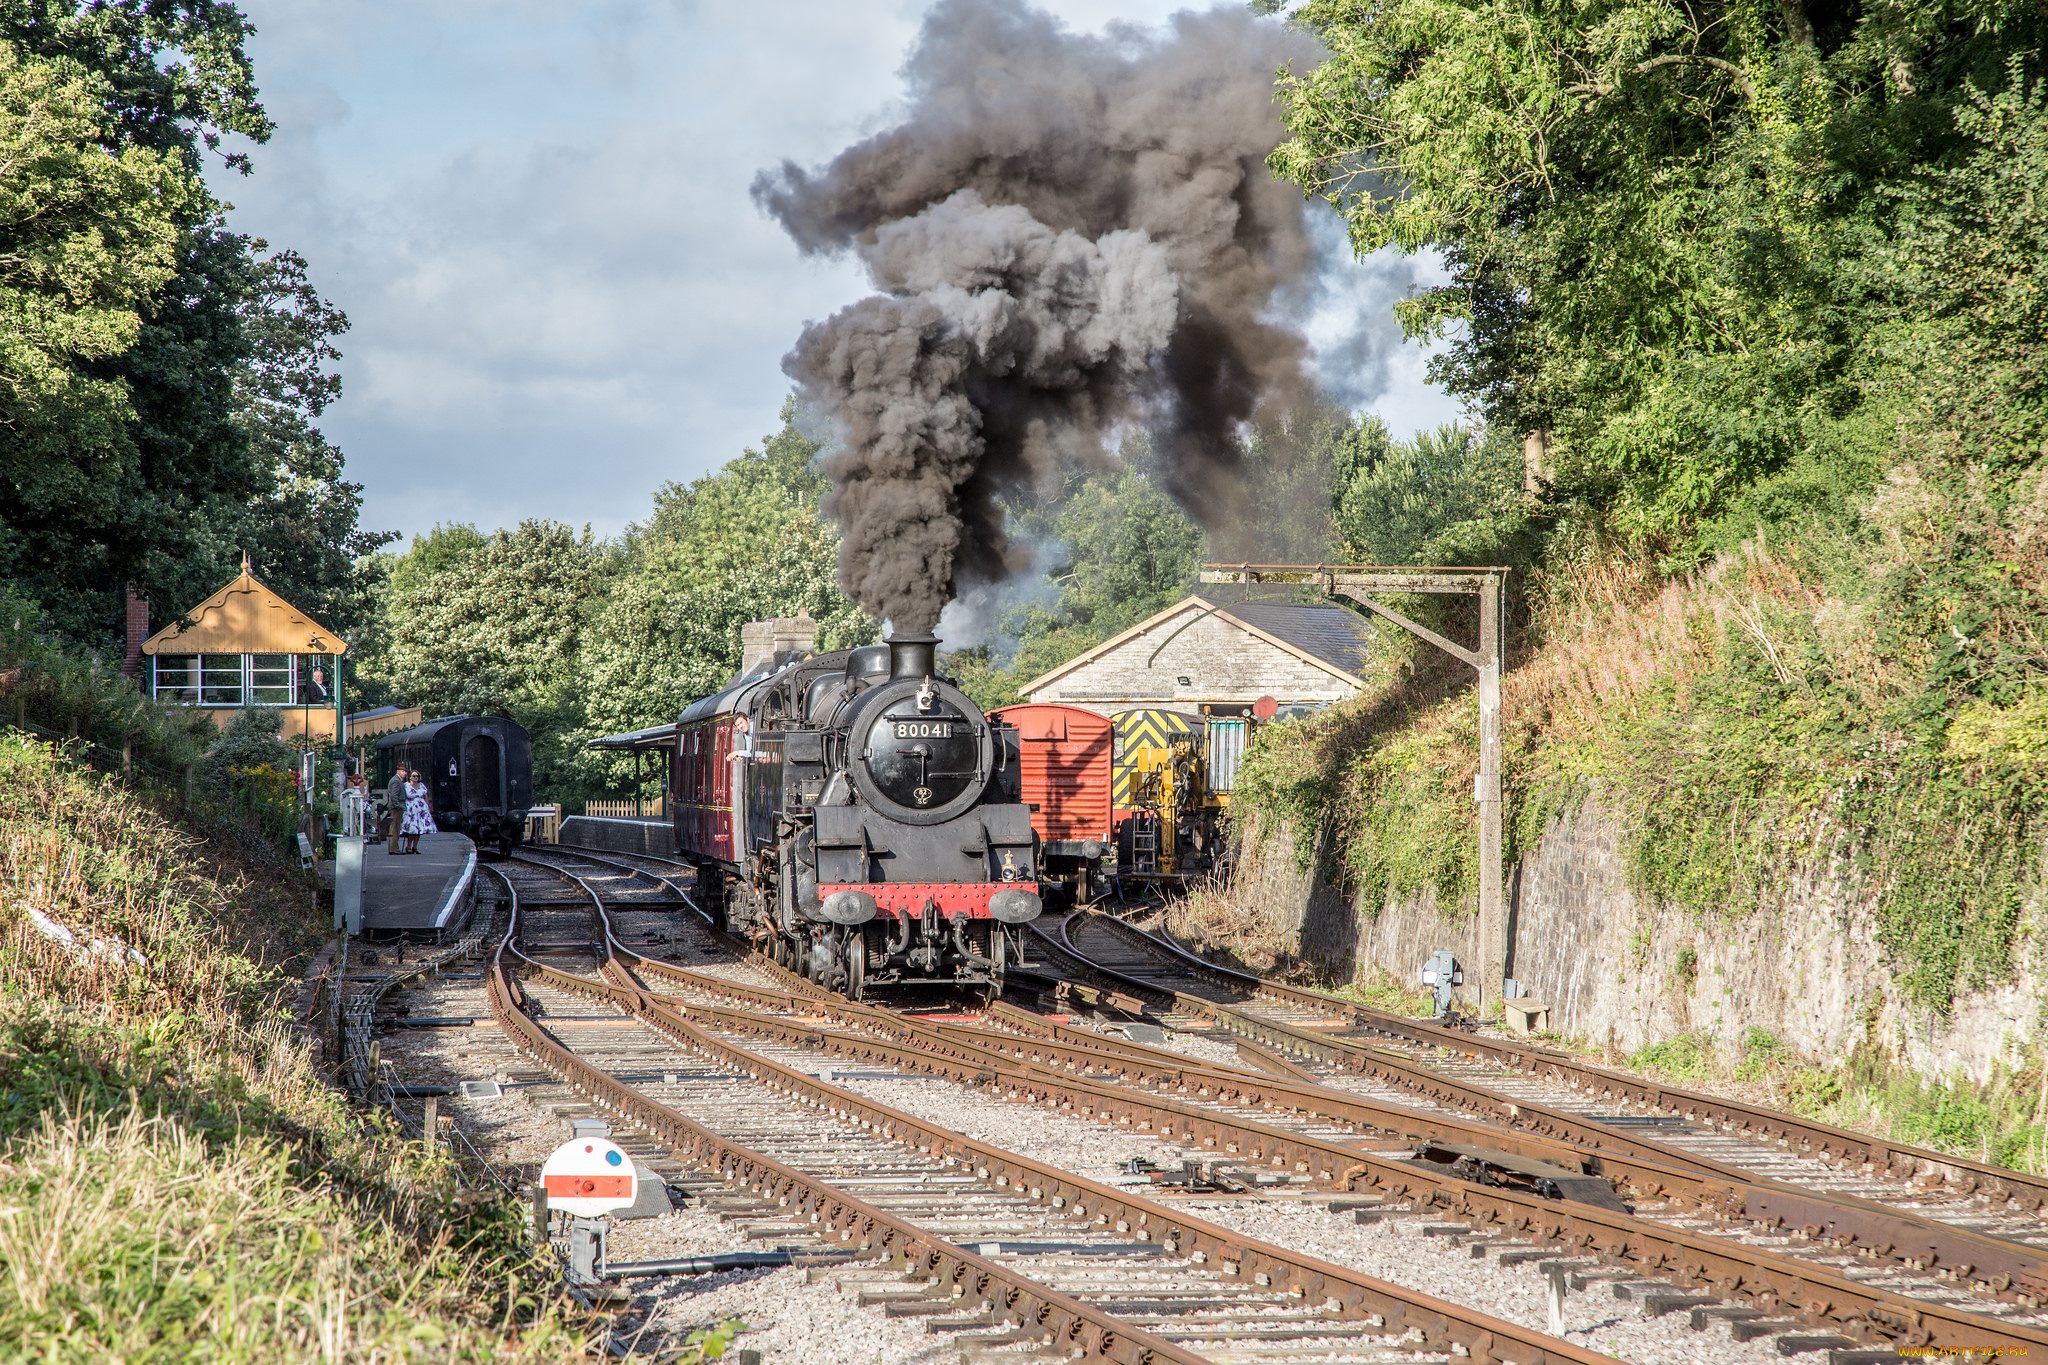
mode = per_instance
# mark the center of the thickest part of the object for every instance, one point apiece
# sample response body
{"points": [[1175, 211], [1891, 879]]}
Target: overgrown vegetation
{"points": [[2005, 1122], [1787, 613], [183, 1185]]}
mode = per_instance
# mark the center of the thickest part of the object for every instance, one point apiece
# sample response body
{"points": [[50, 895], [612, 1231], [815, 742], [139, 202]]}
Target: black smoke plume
{"points": [[1067, 232]]}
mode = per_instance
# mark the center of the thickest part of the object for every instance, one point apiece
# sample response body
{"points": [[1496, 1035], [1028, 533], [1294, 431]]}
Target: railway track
{"points": [[1717, 1125], [1775, 1275], [1014, 1256], [1971, 1241]]}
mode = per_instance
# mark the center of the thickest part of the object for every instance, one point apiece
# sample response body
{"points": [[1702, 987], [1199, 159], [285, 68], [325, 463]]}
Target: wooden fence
{"points": [[657, 808]]}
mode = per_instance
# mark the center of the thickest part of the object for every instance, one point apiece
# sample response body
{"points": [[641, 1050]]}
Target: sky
{"points": [[537, 218]]}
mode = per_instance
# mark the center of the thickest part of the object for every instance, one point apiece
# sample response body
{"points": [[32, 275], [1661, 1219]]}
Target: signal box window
{"points": [[270, 679], [313, 680], [220, 680], [177, 677]]}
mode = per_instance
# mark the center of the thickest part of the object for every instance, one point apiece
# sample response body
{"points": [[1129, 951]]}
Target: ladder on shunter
{"points": [[1145, 843]]}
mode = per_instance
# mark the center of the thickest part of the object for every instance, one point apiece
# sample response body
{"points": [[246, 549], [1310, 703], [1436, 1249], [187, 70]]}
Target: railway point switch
{"points": [[1442, 972]]}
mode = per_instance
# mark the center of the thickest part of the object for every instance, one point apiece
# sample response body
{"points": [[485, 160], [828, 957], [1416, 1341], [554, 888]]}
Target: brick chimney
{"points": [[778, 638], [138, 629]]}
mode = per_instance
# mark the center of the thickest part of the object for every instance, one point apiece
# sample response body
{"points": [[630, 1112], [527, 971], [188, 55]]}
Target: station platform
{"points": [[649, 835], [430, 896]]}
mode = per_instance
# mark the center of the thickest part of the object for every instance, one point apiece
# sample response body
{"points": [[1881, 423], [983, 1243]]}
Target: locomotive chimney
{"points": [[913, 656]]}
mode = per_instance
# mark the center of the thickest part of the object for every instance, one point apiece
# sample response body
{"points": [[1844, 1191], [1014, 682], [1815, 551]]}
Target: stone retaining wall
{"points": [[1618, 971]]}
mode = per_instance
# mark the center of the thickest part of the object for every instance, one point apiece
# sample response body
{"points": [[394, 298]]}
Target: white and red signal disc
{"points": [[588, 1176]]}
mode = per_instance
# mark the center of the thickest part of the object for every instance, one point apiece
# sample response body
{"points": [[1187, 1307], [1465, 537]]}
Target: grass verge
{"points": [[176, 1180]]}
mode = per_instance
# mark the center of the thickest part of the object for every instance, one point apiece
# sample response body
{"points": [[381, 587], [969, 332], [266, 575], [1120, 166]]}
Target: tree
{"points": [[303, 529], [739, 545], [1450, 496], [495, 629], [170, 491], [87, 240], [1652, 212]]}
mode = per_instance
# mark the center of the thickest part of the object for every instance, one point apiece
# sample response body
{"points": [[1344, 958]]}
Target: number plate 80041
{"points": [[923, 729]]}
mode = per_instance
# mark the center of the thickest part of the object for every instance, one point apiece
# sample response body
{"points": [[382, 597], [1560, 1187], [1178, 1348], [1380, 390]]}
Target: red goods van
{"points": [[1064, 763]]}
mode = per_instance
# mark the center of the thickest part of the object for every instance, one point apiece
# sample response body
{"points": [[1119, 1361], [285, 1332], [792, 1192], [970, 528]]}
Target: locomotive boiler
{"points": [[857, 816]]}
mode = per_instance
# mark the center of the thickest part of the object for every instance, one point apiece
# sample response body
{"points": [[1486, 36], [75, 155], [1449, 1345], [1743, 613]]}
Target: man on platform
{"points": [[394, 807]]}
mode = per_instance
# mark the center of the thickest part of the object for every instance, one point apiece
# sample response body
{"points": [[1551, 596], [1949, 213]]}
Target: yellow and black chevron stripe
{"points": [[1137, 731]]}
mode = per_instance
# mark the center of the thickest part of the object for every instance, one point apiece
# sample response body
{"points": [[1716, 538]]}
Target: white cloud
{"points": [[537, 218]]}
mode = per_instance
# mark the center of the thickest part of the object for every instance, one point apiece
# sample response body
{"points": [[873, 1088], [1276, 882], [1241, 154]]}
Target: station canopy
{"points": [[653, 737]]}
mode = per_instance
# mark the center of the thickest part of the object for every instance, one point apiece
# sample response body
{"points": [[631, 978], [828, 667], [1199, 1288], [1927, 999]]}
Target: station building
{"points": [[1200, 657], [246, 646]]}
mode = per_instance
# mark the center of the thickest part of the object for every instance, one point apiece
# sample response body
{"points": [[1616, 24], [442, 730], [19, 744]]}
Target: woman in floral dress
{"points": [[419, 816]]}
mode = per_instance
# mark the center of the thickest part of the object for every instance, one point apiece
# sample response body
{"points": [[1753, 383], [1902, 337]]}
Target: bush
{"points": [[48, 689]]}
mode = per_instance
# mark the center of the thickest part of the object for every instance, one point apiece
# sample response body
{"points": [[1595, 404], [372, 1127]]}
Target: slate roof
{"points": [[1338, 637], [1333, 637]]}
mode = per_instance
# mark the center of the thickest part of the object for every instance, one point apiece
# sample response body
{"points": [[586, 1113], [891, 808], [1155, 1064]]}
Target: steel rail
{"points": [[1621, 1237], [1056, 1316], [1045, 1312], [1278, 1063], [1895, 1160], [2003, 1268], [975, 1051], [1991, 1265], [1815, 1291], [1772, 1281]]}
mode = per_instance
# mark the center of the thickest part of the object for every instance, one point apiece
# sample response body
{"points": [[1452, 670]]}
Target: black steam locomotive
{"points": [[857, 816]]}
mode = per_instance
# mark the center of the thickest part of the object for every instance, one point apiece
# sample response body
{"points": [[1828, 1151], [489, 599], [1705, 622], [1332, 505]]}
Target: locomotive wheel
{"points": [[856, 964]]}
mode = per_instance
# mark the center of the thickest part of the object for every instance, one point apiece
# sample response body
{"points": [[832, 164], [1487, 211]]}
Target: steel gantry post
{"points": [[1493, 922], [1359, 583]]}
